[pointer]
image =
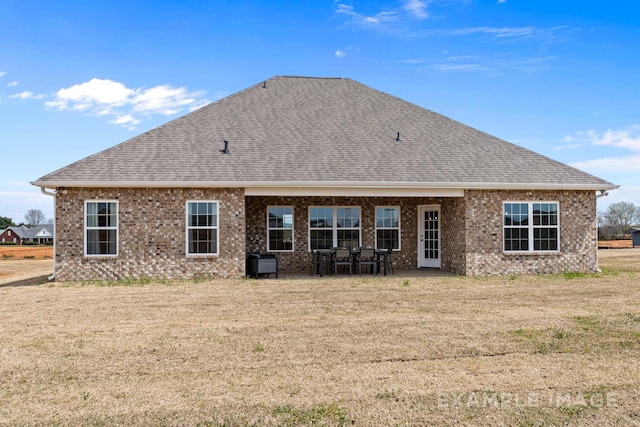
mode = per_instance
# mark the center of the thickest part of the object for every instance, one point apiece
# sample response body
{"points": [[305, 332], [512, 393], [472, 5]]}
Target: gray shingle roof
{"points": [[24, 232], [318, 131]]}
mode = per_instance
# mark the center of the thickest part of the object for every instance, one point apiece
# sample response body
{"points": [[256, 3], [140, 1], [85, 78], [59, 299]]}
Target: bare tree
{"points": [[621, 216], [34, 217]]}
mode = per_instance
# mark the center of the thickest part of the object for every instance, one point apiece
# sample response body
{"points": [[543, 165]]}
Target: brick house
{"points": [[41, 234], [294, 164], [11, 235]]}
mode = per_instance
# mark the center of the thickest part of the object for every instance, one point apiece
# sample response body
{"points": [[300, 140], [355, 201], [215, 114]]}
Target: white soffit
{"points": [[353, 192]]}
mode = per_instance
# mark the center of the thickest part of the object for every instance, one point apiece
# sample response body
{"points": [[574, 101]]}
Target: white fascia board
{"points": [[353, 192], [378, 185]]}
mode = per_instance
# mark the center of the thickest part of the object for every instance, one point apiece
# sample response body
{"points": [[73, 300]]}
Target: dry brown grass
{"points": [[615, 244], [26, 252], [548, 350]]}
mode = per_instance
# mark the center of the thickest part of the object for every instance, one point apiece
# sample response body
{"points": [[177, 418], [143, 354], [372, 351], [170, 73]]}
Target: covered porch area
{"points": [[426, 232]]}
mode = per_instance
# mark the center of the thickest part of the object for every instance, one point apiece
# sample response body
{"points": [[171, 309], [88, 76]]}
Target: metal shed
{"points": [[635, 237]]}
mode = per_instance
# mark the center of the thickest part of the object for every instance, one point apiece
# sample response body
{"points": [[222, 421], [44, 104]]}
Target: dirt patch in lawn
{"points": [[25, 252], [525, 350], [615, 244]]}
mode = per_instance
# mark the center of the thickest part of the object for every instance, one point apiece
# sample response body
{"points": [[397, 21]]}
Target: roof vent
{"points": [[264, 85], [226, 148], [398, 137]]}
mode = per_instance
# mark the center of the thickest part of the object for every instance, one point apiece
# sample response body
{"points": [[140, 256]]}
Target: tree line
{"points": [[32, 218], [616, 221]]}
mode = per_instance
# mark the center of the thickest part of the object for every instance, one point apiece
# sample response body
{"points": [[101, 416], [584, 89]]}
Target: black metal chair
{"points": [[321, 260], [385, 256], [342, 258], [314, 265], [367, 257]]}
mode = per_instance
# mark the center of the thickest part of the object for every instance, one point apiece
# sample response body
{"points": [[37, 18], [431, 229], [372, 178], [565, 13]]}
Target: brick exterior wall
{"points": [[578, 234], [151, 235]]}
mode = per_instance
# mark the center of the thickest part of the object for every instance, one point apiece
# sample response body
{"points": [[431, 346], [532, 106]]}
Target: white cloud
{"points": [[94, 92], [625, 139], [164, 99], [502, 34], [3, 73], [26, 95], [416, 8], [502, 1], [13, 83], [626, 193], [492, 65], [126, 120], [104, 97], [340, 53], [628, 138], [372, 20], [413, 61], [610, 164], [17, 201]]}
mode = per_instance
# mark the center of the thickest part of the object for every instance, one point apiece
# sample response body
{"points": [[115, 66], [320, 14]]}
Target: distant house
{"points": [[12, 235], [41, 234], [295, 164]]}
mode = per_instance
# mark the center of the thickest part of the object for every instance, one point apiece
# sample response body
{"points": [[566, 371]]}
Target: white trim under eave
{"points": [[395, 185], [354, 192]]}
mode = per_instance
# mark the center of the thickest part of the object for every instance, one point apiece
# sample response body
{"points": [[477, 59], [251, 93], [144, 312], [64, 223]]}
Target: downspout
{"points": [[603, 193], [55, 240]]}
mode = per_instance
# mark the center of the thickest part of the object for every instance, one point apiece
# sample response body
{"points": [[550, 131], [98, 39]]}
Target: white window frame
{"points": [[334, 227], [269, 229], [399, 227], [187, 228], [87, 228], [531, 227]]}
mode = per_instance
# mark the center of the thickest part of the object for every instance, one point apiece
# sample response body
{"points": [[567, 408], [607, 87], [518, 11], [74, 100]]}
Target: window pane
{"points": [[280, 240], [101, 242], [321, 217], [387, 217], [203, 241], [321, 239], [516, 239], [348, 238], [348, 217], [280, 217], [545, 239], [386, 239]]}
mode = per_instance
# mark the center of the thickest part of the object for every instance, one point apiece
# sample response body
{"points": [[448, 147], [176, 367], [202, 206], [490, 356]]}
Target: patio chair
{"points": [[367, 257], [318, 258], [342, 258], [380, 260], [314, 265]]}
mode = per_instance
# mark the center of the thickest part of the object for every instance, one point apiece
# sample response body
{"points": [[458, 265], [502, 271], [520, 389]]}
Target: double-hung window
{"points": [[280, 228], [388, 227], [101, 228], [202, 228], [531, 227], [334, 227]]}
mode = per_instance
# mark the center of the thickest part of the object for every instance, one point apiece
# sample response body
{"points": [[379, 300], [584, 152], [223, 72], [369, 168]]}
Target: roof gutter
{"points": [[53, 194], [327, 184]]}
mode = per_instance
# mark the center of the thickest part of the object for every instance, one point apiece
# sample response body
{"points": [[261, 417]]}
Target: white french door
{"points": [[429, 236]]}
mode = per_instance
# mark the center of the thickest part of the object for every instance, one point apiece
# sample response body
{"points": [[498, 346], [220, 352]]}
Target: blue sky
{"points": [[558, 77]]}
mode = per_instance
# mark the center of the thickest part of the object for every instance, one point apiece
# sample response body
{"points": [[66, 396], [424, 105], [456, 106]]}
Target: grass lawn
{"points": [[523, 351]]}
